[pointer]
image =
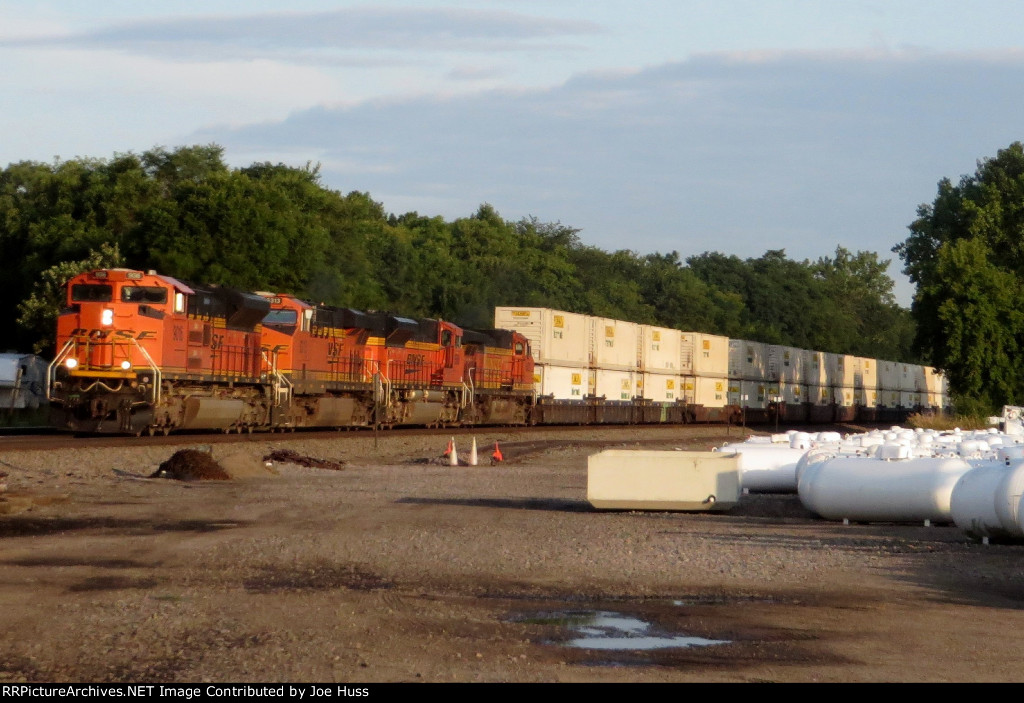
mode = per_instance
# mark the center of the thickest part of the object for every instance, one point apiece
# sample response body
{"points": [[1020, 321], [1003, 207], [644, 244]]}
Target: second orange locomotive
{"points": [[141, 352]]}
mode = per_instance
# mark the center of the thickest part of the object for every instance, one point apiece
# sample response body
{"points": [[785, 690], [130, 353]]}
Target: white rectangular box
{"points": [[815, 368], [659, 387], [748, 361], [910, 399], [842, 371], [702, 390], [793, 393], [556, 337], [561, 382], [752, 394], [865, 372], [622, 479], [912, 378], [866, 397], [704, 354], [785, 364], [612, 384], [844, 396], [889, 375], [660, 350], [819, 395], [888, 398], [616, 344]]}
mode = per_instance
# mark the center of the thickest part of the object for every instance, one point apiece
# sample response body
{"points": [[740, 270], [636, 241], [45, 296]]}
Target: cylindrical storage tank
{"points": [[973, 501], [766, 468], [1008, 499], [872, 490]]}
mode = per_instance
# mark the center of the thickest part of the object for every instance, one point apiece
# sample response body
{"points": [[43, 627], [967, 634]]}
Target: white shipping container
{"points": [[752, 394], [748, 360], [612, 384], [815, 368], [561, 382], [866, 397], [819, 394], [704, 354], [706, 391], [660, 349], [659, 387], [889, 398], [889, 375], [793, 393], [912, 378], [620, 479], [910, 399], [785, 364], [844, 396], [843, 370], [865, 372], [616, 344], [556, 337]]}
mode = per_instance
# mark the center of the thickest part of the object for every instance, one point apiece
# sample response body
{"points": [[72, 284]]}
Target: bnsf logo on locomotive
{"points": [[121, 334]]}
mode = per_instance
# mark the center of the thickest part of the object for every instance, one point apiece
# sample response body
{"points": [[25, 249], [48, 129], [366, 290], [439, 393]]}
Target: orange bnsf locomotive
{"points": [[141, 352]]}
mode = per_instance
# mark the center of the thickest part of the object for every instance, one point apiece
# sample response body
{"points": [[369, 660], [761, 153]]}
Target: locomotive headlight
{"points": [[126, 364], [71, 363], [107, 318]]}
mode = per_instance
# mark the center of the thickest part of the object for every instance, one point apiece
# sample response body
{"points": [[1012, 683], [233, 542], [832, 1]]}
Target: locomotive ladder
{"points": [[279, 383]]}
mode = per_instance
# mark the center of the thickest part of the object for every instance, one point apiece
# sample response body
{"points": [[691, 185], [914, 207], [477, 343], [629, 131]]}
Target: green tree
{"points": [[965, 253]]}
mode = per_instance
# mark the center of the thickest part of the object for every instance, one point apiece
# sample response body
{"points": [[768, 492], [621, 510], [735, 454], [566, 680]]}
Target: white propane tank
{"points": [[973, 501], [873, 490], [766, 468], [1008, 499]]}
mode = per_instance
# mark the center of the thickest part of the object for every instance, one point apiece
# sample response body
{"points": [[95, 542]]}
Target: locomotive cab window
{"points": [[92, 293], [519, 348], [446, 338], [152, 295]]}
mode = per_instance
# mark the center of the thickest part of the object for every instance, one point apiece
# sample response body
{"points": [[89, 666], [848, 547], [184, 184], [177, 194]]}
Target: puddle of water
{"points": [[607, 630]]}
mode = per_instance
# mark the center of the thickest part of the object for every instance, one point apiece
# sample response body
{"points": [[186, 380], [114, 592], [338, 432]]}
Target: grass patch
{"points": [[948, 422]]}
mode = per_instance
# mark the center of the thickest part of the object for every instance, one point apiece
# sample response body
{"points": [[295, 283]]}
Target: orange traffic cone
{"points": [[496, 455]]}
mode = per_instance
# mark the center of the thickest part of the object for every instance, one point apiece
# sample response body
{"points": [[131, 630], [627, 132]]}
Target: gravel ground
{"points": [[391, 566]]}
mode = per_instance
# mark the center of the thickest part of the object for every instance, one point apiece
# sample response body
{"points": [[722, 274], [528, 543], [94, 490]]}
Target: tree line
{"points": [[185, 213]]}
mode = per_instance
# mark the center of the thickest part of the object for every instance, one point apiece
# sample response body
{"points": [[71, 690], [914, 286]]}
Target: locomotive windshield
{"points": [[92, 293], [143, 294], [281, 318]]}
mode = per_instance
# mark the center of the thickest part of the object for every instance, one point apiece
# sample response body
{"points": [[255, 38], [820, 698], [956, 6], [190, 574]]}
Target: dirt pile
{"points": [[288, 456], [191, 465]]}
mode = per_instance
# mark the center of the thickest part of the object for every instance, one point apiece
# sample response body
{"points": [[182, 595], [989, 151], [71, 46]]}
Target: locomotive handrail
{"points": [[50, 370], [280, 380], [158, 380]]}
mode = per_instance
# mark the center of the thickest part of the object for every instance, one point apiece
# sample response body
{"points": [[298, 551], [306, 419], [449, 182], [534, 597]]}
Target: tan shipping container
{"points": [[660, 349], [785, 364], [704, 354], [659, 387], [815, 368], [842, 372], [865, 372], [612, 384], [615, 344], [702, 390], [561, 382], [889, 375], [819, 395], [844, 396], [556, 337], [748, 360]]}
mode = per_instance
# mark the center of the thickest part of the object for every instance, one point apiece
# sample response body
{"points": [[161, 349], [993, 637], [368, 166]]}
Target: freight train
{"points": [[140, 352]]}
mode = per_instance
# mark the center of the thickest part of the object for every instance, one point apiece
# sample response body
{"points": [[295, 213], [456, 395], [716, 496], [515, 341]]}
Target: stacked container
{"points": [[660, 364], [559, 341]]}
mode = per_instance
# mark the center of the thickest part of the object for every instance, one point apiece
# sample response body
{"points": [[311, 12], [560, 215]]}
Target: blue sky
{"points": [[734, 125]]}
